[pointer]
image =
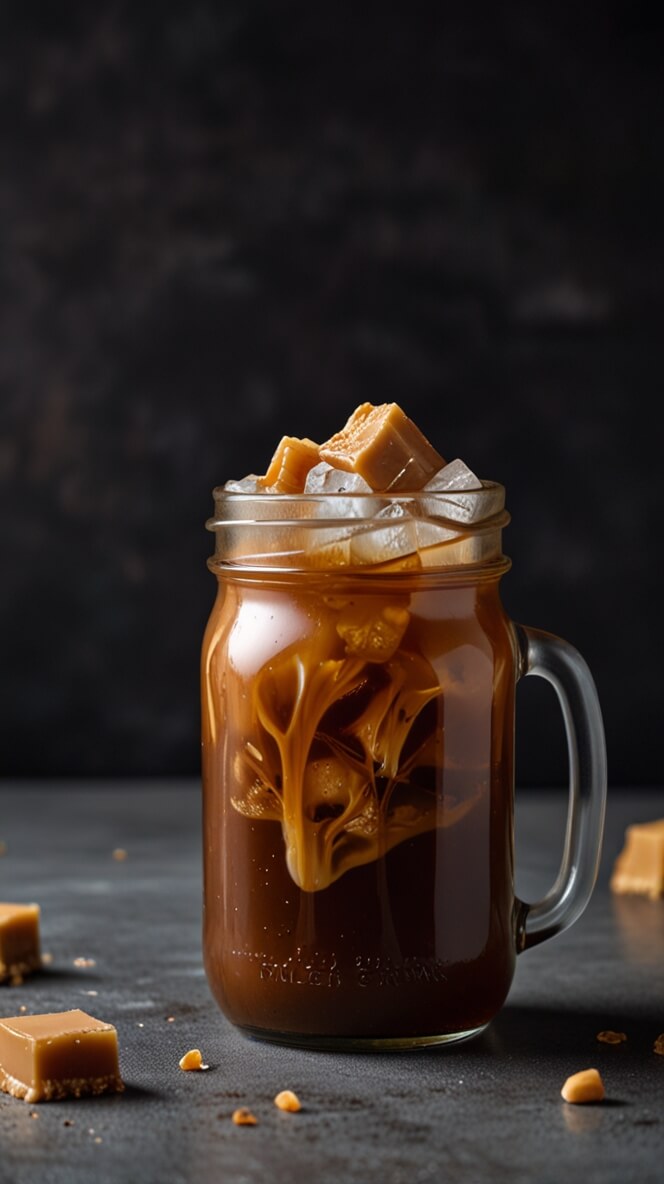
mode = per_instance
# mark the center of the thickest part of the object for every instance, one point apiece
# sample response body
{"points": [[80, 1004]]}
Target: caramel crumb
{"points": [[192, 1060], [287, 1100], [84, 962], [658, 1046], [609, 1037], [23, 1007], [170, 1019], [67, 1122], [34, 1114], [120, 854], [46, 959], [586, 1086], [244, 1117]]}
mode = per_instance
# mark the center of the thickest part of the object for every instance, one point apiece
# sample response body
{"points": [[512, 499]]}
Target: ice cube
{"points": [[324, 478], [393, 538], [328, 548], [466, 675], [462, 549], [372, 631], [429, 535], [249, 484], [451, 501], [455, 475], [331, 547]]}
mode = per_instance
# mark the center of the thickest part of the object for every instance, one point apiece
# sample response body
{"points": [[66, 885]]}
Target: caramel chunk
{"points": [[192, 1060], [658, 1046], [64, 1054], [640, 866], [287, 1100], [586, 1086], [287, 471], [19, 940], [243, 1117], [385, 447], [609, 1037], [372, 631]]}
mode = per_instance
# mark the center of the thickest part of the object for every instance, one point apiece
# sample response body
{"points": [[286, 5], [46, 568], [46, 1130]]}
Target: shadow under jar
{"points": [[358, 771]]}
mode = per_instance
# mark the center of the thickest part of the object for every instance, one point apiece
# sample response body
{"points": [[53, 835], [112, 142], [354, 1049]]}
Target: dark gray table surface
{"points": [[488, 1109]]}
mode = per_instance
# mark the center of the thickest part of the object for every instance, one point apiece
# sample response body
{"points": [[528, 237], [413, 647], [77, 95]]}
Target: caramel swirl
{"points": [[342, 750]]}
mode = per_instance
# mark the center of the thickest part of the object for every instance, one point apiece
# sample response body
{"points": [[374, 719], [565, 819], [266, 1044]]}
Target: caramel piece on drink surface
{"points": [[19, 940], [287, 471], [385, 447], [640, 866], [59, 1055], [586, 1086]]}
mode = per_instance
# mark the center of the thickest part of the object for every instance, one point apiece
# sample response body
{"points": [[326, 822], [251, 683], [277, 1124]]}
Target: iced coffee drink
{"points": [[358, 675]]}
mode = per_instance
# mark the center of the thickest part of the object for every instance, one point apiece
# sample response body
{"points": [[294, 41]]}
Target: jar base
{"points": [[359, 1043]]}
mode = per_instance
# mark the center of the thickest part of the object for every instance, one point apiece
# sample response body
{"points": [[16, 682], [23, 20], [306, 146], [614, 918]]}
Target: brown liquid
{"points": [[358, 786]]}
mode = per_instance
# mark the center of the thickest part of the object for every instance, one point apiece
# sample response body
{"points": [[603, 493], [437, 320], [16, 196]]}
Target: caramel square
{"points": [[58, 1055], [639, 867], [19, 940]]}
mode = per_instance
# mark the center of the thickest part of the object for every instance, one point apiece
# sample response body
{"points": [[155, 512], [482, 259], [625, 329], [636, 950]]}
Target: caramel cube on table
{"points": [[19, 940], [385, 447], [639, 867], [59, 1055]]}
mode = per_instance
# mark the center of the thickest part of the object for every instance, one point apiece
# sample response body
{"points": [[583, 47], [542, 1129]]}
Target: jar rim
{"points": [[367, 533], [460, 504]]}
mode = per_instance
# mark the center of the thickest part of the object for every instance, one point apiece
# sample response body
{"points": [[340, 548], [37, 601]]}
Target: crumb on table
{"points": [[585, 1086], [287, 1100], [243, 1117]]}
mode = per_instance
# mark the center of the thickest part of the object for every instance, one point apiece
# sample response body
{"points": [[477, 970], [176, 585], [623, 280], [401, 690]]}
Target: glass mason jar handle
{"points": [[563, 666]]}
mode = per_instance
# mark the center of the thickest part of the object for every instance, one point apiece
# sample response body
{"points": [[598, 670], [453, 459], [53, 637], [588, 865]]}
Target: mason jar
{"points": [[358, 717]]}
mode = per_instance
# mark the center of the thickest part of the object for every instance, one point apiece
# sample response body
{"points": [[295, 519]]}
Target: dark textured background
{"points": [[224, 221]]}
